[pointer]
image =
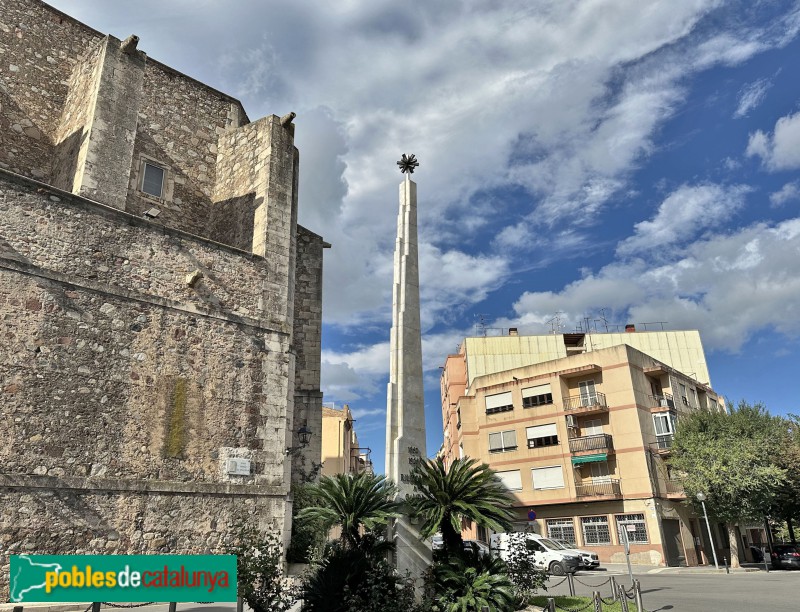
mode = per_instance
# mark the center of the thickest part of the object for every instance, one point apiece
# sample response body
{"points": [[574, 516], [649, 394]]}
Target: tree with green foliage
{"points": [[786, 504], [259, 570], [729, 456], [467, 491], [461, 585], [357, 503]]}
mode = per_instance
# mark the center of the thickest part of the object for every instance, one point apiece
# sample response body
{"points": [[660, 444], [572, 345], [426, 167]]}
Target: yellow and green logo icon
{"points": [[117, 578]]}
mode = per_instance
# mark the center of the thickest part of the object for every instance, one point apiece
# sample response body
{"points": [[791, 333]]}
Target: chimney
{"points": [[512, 331], [630, 328]]}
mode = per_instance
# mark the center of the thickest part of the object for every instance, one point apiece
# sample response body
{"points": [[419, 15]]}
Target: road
{"points": [[778, 591]]}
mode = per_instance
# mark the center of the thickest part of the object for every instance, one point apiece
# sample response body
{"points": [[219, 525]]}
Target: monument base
{"points": [[412, 555]]}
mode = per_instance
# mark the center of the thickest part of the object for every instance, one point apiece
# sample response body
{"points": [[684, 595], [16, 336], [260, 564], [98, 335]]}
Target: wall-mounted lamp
{"points": [[304, 435]]}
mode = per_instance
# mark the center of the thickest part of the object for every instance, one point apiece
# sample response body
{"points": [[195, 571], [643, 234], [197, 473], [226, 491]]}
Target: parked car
{"points": [[785, 556], [477, 548], [546, 554], [589, 560], [757, 553], [437, 541]]}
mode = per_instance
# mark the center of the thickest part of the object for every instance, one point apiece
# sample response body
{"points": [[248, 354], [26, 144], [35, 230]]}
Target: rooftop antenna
{"points": [[480, 325], [603, 318], [555, 323]]}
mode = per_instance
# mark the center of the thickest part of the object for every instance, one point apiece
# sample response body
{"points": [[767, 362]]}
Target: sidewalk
{"points": [[622, 568]]}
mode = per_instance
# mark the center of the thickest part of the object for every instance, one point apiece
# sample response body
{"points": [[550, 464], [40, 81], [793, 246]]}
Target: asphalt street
{"points": [[776, 591]]}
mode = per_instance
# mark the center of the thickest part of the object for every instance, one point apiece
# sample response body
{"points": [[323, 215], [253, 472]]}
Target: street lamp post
{"points": [[701, 497]]}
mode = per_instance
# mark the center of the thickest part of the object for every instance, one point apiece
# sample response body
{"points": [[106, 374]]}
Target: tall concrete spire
{"points": [[405, 414]]}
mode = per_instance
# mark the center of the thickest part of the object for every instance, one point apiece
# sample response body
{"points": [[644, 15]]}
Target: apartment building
{"points": [[578, 426], [341, 453]]}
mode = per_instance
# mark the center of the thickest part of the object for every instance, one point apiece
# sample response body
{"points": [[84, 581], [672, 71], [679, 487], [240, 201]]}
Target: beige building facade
{"points": [[578, 426], [341, 453]]}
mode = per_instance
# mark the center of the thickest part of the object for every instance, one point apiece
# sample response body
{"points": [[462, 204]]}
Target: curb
{"points": [[45, 607]]}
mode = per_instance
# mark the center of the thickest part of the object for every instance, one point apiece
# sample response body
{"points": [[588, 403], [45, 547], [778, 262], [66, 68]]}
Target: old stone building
{"points": [[160, 307]]}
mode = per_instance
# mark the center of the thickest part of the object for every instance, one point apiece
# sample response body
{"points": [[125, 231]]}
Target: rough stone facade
{"points": [[139, 353]]}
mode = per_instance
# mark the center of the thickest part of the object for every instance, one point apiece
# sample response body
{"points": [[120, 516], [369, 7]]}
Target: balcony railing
{"points": [[673, 486], [663, 442], [597, 443], [662, 401], [586, 403], [598, 489]]}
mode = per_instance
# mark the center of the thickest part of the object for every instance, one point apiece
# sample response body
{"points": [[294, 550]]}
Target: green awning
{"points": [[589, 458]]}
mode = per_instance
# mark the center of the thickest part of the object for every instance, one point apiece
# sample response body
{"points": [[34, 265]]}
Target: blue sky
{"points": [[638, 157]]}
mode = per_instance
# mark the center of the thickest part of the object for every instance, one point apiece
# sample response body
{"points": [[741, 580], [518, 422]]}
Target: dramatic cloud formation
{"points": [[781, 149], [684, 214], [751, 96], [787, 193], [729, 286]]}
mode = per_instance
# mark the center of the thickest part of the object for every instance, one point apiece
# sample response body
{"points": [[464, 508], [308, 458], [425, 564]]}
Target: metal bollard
{"points": [[614, 589], [172, 606], [96, 606], [623, 598], [598, 605], [240, 604], [17, 608], [725, 561], [637, 593], [551, 604], [571, 584], [764, 555]]}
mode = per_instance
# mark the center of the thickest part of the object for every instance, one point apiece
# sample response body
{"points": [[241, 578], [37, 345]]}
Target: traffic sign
{"points": [[531, 515]]}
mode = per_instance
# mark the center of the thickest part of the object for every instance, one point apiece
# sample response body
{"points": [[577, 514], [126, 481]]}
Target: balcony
{"points": [[672, 488], [586, 404], [663, 444], [598, 443], [664, 400], [609, 488]]}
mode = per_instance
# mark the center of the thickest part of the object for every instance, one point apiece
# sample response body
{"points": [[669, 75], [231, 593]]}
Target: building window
{"points": [[664, 423], [548, 477], [561, 529], [539, 395], [684, 397], [588, 393], [499, 402], [595, 530], [458, 422], [542, 435], [511, 479], [502, 441], [637, 536], [152, 179]]}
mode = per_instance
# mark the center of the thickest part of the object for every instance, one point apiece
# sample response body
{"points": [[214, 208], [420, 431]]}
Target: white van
{"points": [[546, 554]]}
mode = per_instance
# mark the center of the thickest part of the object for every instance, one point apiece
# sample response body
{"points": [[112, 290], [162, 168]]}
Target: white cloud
{"points": [[729, 286], [683, 214], [781, 149], [750, 96], [787, 193]]}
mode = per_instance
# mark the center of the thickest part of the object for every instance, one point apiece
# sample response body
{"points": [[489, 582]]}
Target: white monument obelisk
{"points": [[405, 410]]}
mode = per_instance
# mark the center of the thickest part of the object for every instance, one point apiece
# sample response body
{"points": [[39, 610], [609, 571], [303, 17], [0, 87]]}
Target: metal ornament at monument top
{"points": [[408, 163]]}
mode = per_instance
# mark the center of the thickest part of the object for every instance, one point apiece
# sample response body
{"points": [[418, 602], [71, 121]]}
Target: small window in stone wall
{"points": [[152, 180]]}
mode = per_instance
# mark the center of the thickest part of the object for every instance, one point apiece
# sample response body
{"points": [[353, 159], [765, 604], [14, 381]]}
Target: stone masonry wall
{"points": [[180, 122], [38, 49], [241, 159], [72, 135], [115, 373], [306, 340]]}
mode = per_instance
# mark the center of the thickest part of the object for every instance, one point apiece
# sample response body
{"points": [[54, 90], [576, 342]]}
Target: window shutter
{"points": [[548, 478], [509, 438], [495, 441], [498, 400], [511, 479], [537, 390], [542, 431]]}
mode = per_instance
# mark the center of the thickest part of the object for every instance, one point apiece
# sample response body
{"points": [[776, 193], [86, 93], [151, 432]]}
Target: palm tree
{"points": [[468, 490], [461, 586], [356, 503]]}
